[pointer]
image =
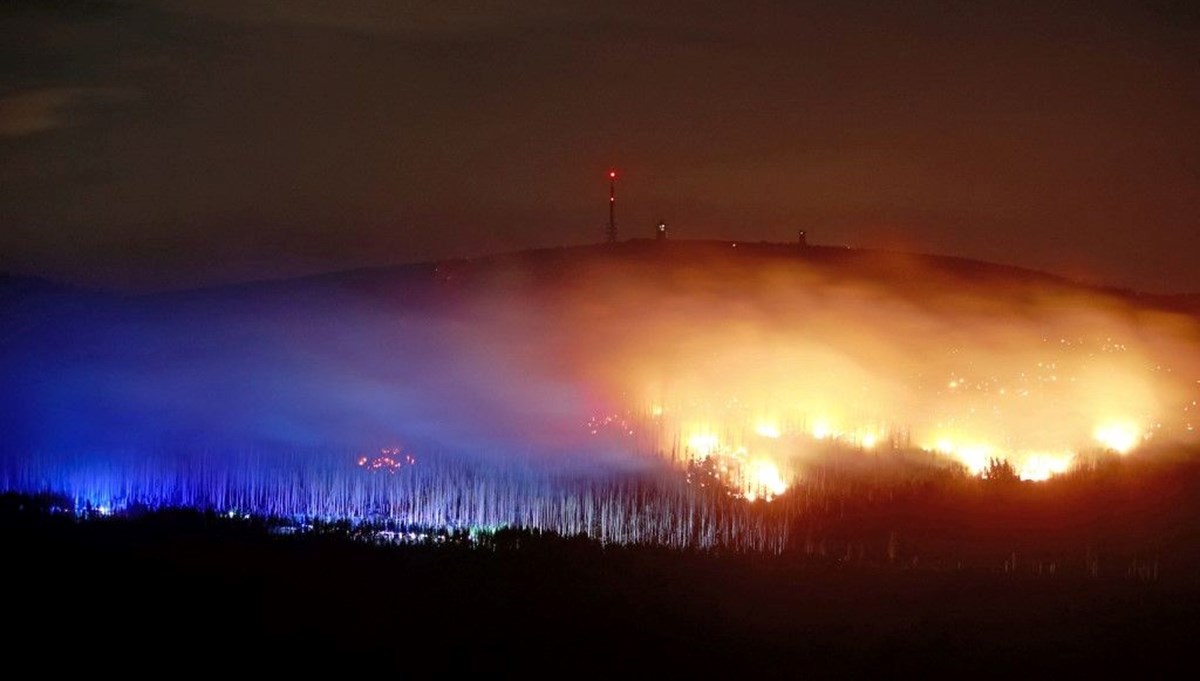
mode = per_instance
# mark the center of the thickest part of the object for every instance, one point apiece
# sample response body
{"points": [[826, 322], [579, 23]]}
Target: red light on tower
{"points": [[612, 174]]}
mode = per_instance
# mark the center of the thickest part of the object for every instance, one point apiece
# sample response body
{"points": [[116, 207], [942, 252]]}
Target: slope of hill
{"points": [[421, 282]]}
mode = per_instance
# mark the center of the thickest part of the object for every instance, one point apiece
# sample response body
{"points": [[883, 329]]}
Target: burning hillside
{"points": [[763, 357], [733, 368]]}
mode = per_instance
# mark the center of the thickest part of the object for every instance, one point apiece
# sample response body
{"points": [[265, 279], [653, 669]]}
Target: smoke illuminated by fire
{"points": [[764, 367], [739, 372]]}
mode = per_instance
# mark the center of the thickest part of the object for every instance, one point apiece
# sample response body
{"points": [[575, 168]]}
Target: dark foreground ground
{"points": [[174, 593]]}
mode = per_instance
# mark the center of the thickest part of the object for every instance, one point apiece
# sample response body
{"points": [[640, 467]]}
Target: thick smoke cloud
{"points": [[972, 361], [311, 368], [514, 360]]}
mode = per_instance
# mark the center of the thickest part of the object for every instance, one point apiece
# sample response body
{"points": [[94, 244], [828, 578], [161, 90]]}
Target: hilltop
{"points": [[423, 282]]}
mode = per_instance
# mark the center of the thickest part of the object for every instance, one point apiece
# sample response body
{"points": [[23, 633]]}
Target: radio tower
{"points": [[612, 206]]}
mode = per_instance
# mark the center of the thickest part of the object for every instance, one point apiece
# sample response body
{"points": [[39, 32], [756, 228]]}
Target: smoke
{"points": [[309, 369], [597, 358], [976, 363]]}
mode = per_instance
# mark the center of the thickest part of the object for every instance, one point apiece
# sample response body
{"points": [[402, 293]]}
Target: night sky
{"points": [[175, 143]]}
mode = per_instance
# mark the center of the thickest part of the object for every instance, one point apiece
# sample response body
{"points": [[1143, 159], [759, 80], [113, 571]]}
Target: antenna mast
{"points": [[612, 206]]}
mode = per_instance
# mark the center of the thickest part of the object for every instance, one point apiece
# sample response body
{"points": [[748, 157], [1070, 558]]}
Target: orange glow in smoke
{"points": [[765, 367]]}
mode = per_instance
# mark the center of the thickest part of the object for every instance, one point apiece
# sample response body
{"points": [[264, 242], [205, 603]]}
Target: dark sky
{"points": [[171, 143]]}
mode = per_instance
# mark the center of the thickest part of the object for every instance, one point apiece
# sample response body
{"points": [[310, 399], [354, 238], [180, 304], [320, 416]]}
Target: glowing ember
{"points": [[389, 460], [610, 423]]}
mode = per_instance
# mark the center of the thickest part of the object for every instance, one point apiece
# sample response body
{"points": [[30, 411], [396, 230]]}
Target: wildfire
{"points": [[619, 424], [767, 373], [761, 465], [768, 430], [1039, 467], [763, 481], [974, 455], [389, 460], [733, 468], [821, 429], [801, 362], [1118, 437]]}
